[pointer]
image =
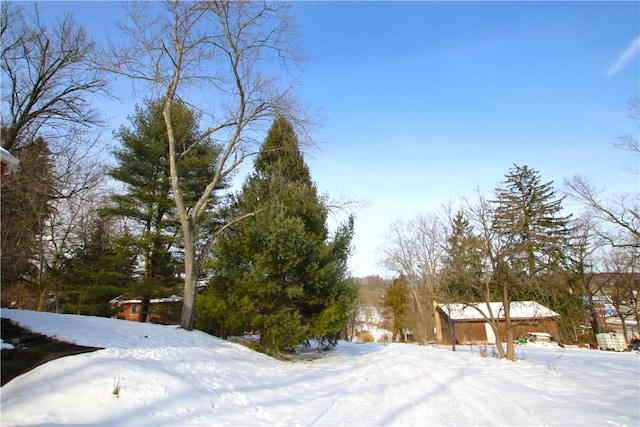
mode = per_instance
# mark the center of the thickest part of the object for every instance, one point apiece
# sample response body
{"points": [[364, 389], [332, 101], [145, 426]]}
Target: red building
{"points": [[165, 311]]}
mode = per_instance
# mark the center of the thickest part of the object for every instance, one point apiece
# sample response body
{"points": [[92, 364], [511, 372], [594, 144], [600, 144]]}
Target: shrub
{"points": [[366, 337]]}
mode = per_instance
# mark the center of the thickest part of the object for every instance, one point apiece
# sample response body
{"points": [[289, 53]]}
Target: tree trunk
{"points": [[144, 308], [506, 304], [623, 321], [190, 275]]}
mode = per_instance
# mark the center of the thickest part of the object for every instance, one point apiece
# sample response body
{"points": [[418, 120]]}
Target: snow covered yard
{"points": [[171, 377]]}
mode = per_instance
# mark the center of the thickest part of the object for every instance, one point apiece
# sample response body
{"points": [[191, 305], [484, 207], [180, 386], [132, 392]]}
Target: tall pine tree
{"points": [[528, 216], [462, 274], [143, 166], [279, 272], [532, 236]]}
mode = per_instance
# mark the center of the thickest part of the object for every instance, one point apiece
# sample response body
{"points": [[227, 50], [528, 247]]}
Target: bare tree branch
{"points": [[48, 77], [620, 211]]}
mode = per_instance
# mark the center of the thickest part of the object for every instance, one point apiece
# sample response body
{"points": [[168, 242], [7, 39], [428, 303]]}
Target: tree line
{"points": [[70, 242], [518, 245]]}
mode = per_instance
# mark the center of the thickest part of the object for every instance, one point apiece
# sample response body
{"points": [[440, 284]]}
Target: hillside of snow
{"points": [[172, 377]]}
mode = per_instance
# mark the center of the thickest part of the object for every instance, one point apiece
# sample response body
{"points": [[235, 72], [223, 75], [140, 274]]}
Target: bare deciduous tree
{"points": [[583, 261], [220, 50], [497, 283], [629, 141], [414, 251], [48, 75], [622, 211], [79, 192], [48, 80], [622, 265]]}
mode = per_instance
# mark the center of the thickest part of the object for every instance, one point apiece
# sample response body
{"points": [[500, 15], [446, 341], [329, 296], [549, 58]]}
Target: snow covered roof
{"points": [[8, 162], [478, 310], [8, 158], [118, 301]]}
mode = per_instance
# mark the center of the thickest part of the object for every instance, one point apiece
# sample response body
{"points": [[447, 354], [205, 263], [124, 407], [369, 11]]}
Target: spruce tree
{"points": [[528, 217], [462, 275], [279, 273], [97, 270], [532, 237]]}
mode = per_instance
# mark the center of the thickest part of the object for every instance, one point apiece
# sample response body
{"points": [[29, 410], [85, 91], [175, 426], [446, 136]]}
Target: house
{"points": [[8, 162], [165, 311], [468, 323], [368, 324]]}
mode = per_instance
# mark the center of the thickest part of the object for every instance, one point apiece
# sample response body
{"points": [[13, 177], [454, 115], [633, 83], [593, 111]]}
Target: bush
{"points": [[365, 337]]}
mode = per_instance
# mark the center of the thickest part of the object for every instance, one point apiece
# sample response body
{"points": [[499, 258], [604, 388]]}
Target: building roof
{"points": [[120, 300], [7, 157], [9, 161], [480, 310]]}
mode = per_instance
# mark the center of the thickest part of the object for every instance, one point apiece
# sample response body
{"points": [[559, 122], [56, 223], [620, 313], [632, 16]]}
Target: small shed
{"points": [[165, 311], [467, 323]]}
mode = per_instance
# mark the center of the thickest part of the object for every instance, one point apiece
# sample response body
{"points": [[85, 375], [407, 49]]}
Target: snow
{"points": [[479, 310], [118, 301], [171, 377]]}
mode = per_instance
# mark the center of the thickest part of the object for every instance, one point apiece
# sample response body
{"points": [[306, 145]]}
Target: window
{"points": [[134, 309]]}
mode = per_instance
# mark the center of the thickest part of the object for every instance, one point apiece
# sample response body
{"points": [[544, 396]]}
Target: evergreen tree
{"points": [[528, 216], [530, 241], [26, 200], [462, 274], [143, 166], [279, 273], [98, 270], [396, 300]]}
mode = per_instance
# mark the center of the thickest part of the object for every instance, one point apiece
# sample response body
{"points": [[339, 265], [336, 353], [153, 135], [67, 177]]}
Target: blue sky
{"points": [[426, 101]]}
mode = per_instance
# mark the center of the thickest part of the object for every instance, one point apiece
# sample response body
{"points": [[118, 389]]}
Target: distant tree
{"points": [[415, 252], [147, 200], [48, 75], [99, 269], [223, 50], [584, 270], [48, 78], [462, 274], [280, 273], [620, 212], [498, 279], [26, 205], [623, 267], [368, 303], [396, 301]]}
